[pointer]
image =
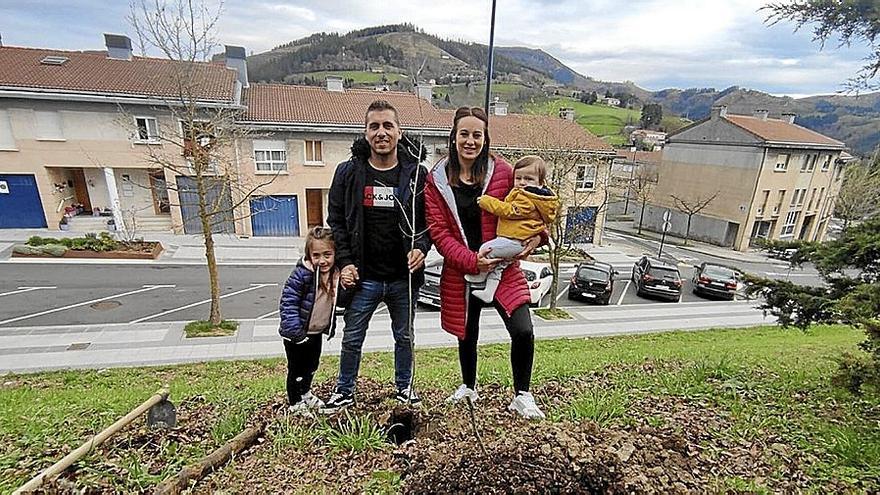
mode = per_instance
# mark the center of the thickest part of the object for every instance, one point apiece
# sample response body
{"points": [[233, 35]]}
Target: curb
{"points": [[686, 248]]}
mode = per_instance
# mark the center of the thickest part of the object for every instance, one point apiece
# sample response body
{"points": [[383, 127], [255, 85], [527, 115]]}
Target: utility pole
{"points": [[491, 56]]}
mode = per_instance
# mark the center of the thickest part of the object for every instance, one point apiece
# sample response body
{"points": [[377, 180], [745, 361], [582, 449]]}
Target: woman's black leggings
{"points": [[522, 344], [302, 362]]}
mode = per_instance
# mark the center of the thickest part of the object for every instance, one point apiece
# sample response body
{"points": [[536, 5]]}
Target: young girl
{"points": [[307, 307]]}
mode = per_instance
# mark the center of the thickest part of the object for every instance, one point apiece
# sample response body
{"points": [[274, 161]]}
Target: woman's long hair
{"points": [[478, 170]]}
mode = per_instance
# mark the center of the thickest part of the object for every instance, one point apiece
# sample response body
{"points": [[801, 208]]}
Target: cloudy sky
{"points": [[655, 43]]}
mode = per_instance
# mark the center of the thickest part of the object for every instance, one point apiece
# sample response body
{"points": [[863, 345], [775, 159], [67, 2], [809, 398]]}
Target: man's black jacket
{"points": [[345, 213]]}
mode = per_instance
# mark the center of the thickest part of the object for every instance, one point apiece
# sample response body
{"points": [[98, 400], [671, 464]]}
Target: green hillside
{"points": [[359, 77], [603, 121]]}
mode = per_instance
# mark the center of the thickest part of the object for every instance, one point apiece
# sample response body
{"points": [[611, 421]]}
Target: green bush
{"points": [[35, 240]]}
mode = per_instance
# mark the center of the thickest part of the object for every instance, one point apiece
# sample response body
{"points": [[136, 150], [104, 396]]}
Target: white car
{"points": [[538, 275]]}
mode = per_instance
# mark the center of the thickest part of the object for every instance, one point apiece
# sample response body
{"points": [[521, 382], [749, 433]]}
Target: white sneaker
{"points": [[524, 405], [301, 409], [461, 393], [311, 401]]}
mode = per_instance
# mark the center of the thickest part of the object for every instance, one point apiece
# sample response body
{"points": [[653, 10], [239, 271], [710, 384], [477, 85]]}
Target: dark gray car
{"points": [[715, 280], [654, 277]]}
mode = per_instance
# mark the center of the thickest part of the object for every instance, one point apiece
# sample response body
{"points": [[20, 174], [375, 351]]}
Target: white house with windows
{"points": [[74, 127]]}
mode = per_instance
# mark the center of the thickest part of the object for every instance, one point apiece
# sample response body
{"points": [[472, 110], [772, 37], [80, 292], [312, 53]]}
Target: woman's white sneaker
{"points": [[462, 392], [524, 405], [312, 402]]}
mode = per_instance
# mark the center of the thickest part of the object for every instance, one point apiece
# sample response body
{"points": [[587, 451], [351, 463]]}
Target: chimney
{"points": [[789, 117], [718, 111], [761, 113], [118, 46], [334, 83], [236, 58], [425, 91], [498, 108], [566, 113]]}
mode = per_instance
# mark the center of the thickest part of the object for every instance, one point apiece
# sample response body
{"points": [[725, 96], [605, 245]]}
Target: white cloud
{"points": [[652, 42]]}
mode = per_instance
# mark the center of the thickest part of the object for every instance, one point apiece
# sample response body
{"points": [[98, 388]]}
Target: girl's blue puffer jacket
{"points": [[297, 300]]}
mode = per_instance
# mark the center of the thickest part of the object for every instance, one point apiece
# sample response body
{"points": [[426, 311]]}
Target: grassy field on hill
{"points": [[360, 77], [601, 120], [726, 411]]}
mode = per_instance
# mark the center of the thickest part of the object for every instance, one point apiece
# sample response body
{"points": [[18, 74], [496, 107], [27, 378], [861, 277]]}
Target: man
{"points": [[371, 203]]}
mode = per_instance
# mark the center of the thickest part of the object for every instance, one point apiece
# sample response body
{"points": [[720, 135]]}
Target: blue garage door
{"points": [[580, 224], [20, 205], [218, 201], [275, 216]]}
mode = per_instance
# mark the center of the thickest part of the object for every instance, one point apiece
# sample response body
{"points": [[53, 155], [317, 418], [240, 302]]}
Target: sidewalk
{"points": [[182, 248], [751, 256]]}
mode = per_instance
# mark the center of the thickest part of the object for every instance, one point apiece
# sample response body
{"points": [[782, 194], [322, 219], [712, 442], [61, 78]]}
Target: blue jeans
{"points": [[357, 317]]}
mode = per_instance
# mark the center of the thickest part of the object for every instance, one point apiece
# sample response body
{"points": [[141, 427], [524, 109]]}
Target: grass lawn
{"points": [[601, 120], [360, 77], [765, 382]]}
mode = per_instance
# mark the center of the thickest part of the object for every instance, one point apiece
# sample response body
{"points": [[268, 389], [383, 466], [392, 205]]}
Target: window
{"points": [[781, 199], [812, 199], [826, 164], [837, 171], [763, 206], [7, 139], [813, 161], [805, 163], [794, 198], [314, 153], [802, 197], [270, 156], [782, 163], [147, 129], [200, 137], [797, 199], [49, 126], [790, 221], [586, 176]]}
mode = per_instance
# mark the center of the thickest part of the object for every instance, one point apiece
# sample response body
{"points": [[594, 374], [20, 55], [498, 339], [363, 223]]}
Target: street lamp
{"points": [[491, 55]]}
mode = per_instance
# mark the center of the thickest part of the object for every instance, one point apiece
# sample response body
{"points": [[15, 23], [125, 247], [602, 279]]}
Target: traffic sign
{"points": [[667, 226], [667, 215]]}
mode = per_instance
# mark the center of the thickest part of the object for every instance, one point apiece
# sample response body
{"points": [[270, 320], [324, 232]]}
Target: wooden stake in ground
{"points": [[206, 465], [60, 466]]}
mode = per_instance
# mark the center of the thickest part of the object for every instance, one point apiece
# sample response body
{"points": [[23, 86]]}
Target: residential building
{"points": [[770, 178], [628, 168], [74, 127], [652, 140], [611, 102]]}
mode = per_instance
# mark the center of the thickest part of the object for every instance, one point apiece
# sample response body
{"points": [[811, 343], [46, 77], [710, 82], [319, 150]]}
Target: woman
{"points": [[458, 227]]}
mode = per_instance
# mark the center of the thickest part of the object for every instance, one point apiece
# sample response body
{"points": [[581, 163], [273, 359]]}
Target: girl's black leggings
{"points": [[302, 362], [522, 344]]}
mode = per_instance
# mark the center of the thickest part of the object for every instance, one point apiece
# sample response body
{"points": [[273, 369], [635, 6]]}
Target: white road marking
{"points": [[792, 274], [25, 289], [145, 288], [625, 288], [558, 297], [267, 315], [145, 318]]}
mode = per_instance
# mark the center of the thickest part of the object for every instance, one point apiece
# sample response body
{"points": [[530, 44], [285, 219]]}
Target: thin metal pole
{"points": [[491, 57], [662, 241]]}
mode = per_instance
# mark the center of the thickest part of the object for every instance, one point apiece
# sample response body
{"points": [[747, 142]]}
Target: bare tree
{"points": [[642, 187], [200, 158], [580, 178], [691, 207], [859, 195]]}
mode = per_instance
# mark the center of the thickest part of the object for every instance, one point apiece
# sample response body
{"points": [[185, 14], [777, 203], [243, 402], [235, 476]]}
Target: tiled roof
{"points": [[654, 157], [93, 72], [316, 105], [781, 131], [542, 132]]}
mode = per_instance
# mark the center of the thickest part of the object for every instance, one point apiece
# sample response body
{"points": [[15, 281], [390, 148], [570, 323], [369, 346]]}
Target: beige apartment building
{"points": [[770, 177], [74, 127]]}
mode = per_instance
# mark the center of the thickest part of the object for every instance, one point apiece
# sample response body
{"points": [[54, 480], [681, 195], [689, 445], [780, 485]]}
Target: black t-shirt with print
{"points": [[469, 213], [384, 243]]}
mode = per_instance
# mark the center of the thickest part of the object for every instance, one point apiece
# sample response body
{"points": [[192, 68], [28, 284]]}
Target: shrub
{"points": [[23, 249], [53, 249]]}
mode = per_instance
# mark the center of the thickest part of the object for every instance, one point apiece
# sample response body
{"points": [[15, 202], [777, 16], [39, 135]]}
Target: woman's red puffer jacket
{"points": [[458, 260]]}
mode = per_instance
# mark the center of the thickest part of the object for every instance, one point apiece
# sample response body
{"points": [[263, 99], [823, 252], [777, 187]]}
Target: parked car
{"points": [[592, 281], [657, 278], [538, 275], [715, 280]]}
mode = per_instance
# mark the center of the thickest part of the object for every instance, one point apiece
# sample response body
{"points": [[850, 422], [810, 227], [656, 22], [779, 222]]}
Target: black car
{"points": [[715, 280], [658, 278], [429, 292], [592, 281]]}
